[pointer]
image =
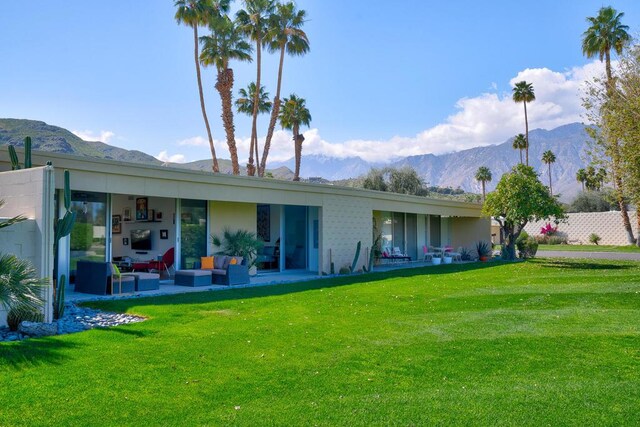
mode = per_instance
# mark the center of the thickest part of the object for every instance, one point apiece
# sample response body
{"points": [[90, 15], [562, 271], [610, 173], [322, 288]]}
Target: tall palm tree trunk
{"points": [[274, 117], [484, 194], [204, 111], [550, 187], [224, 85], [297, 139], [521, 162], [526, 129], [251, 170]]}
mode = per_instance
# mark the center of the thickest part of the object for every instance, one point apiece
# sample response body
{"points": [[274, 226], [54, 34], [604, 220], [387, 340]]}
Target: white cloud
{"points": [[195, 141], [163, 156], [88, 135], [489, 118]]}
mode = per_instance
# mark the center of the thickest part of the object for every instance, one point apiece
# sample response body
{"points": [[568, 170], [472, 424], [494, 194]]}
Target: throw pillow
{"points": [[219, 262], [206, 262], [233, 261], [115, 270]]}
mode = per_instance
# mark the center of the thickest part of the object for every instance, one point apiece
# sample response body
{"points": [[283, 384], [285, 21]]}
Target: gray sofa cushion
{"points": [[219, 261]]}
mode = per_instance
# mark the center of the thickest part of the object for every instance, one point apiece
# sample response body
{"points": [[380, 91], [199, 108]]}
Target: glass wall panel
{"points": [[88, 235], [412, 236], [398, 231], [386, 231], [435, 231], [295, 228], [193, 232]]}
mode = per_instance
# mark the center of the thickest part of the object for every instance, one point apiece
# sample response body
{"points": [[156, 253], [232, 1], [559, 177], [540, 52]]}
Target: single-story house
{"points": [[141, 211]]}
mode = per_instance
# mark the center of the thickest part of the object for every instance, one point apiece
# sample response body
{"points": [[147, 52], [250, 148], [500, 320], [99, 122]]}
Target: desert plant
{"points": [[483, 249], [15, 163], [61, 228], [594, 238], [556, 240], [527, 246], [242, 243], [465, 254], [355, 257], [344, 270], [20, 287], [15, 316]]}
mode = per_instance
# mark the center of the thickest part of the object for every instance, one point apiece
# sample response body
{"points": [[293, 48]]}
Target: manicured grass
{"points": [[589, 248], [542, 342]]}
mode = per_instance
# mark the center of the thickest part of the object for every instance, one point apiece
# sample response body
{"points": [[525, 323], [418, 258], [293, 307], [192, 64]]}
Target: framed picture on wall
{"points": [[116, 224], [126, 214], [164, 234], [142, 209]]}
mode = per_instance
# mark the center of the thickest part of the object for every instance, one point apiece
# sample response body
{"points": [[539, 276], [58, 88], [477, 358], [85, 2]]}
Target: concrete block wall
{"points": [[345, 221], [578, 227], [29, 192]]}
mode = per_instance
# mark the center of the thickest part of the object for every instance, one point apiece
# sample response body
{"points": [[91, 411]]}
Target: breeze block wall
{"points": [[578, 227], [345, 221]]}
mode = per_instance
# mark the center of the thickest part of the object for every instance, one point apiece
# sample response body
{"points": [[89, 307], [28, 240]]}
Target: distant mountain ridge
{"points": [[568, 143], [457, 169]]}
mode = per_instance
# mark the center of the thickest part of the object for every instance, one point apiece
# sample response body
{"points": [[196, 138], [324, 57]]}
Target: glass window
{"points": [[88, 235], [193, 226]]}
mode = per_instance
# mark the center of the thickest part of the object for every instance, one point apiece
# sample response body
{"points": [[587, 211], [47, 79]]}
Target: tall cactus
{"points": [[62, 228], [15, 163], [355, 258]]}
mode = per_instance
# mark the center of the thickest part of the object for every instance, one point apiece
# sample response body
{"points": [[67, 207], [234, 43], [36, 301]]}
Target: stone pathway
{"points": [[75, 319]]}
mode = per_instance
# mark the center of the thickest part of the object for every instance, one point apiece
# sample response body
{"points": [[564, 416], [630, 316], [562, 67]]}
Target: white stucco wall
{"points": [[578, 227], [29, 192]]}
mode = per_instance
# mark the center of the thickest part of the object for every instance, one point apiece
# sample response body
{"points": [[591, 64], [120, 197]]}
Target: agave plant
{"points": [[20, 287]]}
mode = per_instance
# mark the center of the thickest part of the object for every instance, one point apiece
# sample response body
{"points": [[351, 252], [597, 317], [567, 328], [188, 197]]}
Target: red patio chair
{"points": [[164, 264]]}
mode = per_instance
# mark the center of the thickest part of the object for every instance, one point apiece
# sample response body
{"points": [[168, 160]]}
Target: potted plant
{"points": [[436, 259], [239, 243], [484, 250]]}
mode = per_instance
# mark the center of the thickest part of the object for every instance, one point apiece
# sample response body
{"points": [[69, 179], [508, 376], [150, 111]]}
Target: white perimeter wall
{"points": [[29, 193], [578, 227]]}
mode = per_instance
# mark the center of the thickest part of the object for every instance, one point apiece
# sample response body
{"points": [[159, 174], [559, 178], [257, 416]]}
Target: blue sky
{"points": [[381, 79]]}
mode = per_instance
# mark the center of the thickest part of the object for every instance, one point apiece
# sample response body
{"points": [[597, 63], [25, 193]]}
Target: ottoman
{"points": [[147, 281], [193, 278]]}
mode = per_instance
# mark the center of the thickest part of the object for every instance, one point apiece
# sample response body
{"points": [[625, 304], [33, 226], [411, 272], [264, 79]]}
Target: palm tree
{"points": [[194, 13], [244, 103], [548, 157], [252, 22], [581, 176], [225, 43], [523, 92], [285, 34], [20, 287], [520, 143], [294, 113], [606, 32], [483, 174]]}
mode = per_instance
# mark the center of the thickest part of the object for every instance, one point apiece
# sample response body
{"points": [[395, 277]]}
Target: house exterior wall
{"points": [[29, 192], [231, 215], [578, 227], [466, 231]]}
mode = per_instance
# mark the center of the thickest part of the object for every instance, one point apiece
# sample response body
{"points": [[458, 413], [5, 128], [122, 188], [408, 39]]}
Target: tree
{"points": [[295, 113], [224, 44], [194, 13], [548, 157], [593, 201], [519, 198], [606, 32], [581, 177], [285, 34], [405, 181], [375, 180], [520, 143], [483, 175], [252, 22], [523, 92]]}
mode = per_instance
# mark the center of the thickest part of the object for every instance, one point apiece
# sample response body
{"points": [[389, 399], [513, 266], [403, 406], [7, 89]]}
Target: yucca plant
{"points": [[20, 287]]}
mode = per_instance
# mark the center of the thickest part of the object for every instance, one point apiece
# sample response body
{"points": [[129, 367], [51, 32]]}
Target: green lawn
{"points": [[542, 342], [589, 248]]}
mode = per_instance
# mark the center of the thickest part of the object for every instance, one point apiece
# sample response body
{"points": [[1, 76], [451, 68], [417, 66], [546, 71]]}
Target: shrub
{"points": [[483, 249], [465, 254], [556, 240], [593, 201], [344, 270], [594, 238], [527, 246], [15, 316], [81, 237], [548, 230]]}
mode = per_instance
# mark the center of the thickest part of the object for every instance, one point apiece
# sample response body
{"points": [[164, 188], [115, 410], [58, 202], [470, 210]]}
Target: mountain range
{"points": [[457, 169], [454, 170]]}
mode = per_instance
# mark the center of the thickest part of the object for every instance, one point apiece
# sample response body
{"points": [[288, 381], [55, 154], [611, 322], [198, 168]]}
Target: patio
{"points": [[167, 286]]}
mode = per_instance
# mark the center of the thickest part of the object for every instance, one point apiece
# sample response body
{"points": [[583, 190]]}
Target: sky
{"points": [[382, 79]]}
